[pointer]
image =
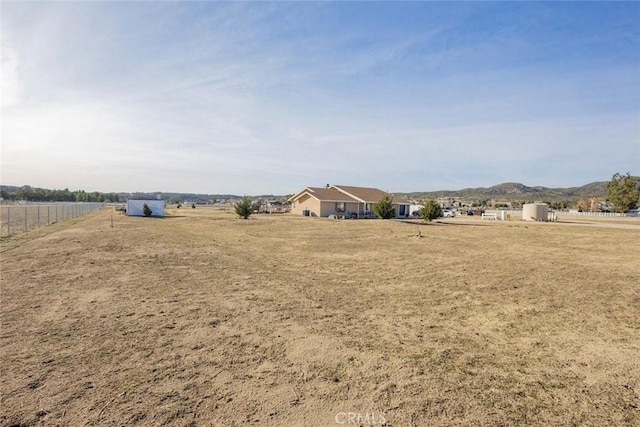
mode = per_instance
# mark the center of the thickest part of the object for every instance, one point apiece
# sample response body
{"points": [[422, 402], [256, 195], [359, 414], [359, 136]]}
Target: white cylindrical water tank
{"points": [[535, 212]]}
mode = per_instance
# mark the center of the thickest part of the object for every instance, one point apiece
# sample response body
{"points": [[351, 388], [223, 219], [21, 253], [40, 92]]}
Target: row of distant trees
{"points": [[44, 195]]}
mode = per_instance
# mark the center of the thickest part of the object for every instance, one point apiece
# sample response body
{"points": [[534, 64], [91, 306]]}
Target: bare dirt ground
{"points": [[202, 319]]}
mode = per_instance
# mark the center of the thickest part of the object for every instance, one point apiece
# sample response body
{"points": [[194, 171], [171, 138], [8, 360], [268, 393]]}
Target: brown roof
{"points": [[367, 194], [346, 193], [325, 194]]}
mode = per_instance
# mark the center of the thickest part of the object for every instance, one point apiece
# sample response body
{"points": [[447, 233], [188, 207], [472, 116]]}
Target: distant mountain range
{"points": [[513, 191], [508, 191]]}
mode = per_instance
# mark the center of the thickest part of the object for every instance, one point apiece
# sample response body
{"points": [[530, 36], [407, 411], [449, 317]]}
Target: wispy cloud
{"points": [[266, 97]]}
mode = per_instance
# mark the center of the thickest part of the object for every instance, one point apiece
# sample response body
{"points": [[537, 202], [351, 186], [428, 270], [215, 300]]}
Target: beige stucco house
{"points": [[342, 201]]}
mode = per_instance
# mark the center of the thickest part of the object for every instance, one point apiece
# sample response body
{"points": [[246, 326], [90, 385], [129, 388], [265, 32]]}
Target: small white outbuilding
{"points": [[136, 207], [535, 212]]}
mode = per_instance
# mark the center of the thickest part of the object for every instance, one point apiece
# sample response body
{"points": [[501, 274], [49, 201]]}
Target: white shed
{"points": [[136, 207]]}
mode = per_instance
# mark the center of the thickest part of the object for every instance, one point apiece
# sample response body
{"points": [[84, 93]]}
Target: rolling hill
{"points": [[508, 191], [512, 191]]}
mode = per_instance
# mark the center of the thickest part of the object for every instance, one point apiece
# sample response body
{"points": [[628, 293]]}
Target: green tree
{"points": [[81, 196], [384, 208], [243, 207], [559, 205], [430, 210], [146, 210], [622, 192]]}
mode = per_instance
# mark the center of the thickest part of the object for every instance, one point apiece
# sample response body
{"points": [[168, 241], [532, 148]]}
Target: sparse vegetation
{"points": [[266, 316], [560, 205], [430, 210], [384, 207], [244, 207]]}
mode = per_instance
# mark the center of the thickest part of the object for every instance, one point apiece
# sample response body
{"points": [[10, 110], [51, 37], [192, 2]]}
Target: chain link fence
{"points": [[15, 219]]}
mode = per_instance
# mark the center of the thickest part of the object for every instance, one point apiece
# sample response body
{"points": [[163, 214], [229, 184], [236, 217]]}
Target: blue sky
{"points": [[266, 98]]}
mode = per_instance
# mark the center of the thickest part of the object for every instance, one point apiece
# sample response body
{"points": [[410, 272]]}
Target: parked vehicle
{"points": [[448, 213], [470, 212]]}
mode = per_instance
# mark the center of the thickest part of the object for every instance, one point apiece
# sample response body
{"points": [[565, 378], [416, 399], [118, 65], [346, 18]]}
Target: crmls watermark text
{"points": [[360, 419]]}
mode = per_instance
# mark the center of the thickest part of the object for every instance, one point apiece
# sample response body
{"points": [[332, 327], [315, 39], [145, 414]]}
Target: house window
{"points": [[340, 207]]}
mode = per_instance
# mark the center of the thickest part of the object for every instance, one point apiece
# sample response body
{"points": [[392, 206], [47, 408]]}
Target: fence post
{"points": [[48, 214], [38, 216], [8, 221], [26, 214]]}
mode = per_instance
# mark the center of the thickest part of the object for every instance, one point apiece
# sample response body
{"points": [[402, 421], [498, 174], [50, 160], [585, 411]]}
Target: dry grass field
{"points": [[201, 319]]}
